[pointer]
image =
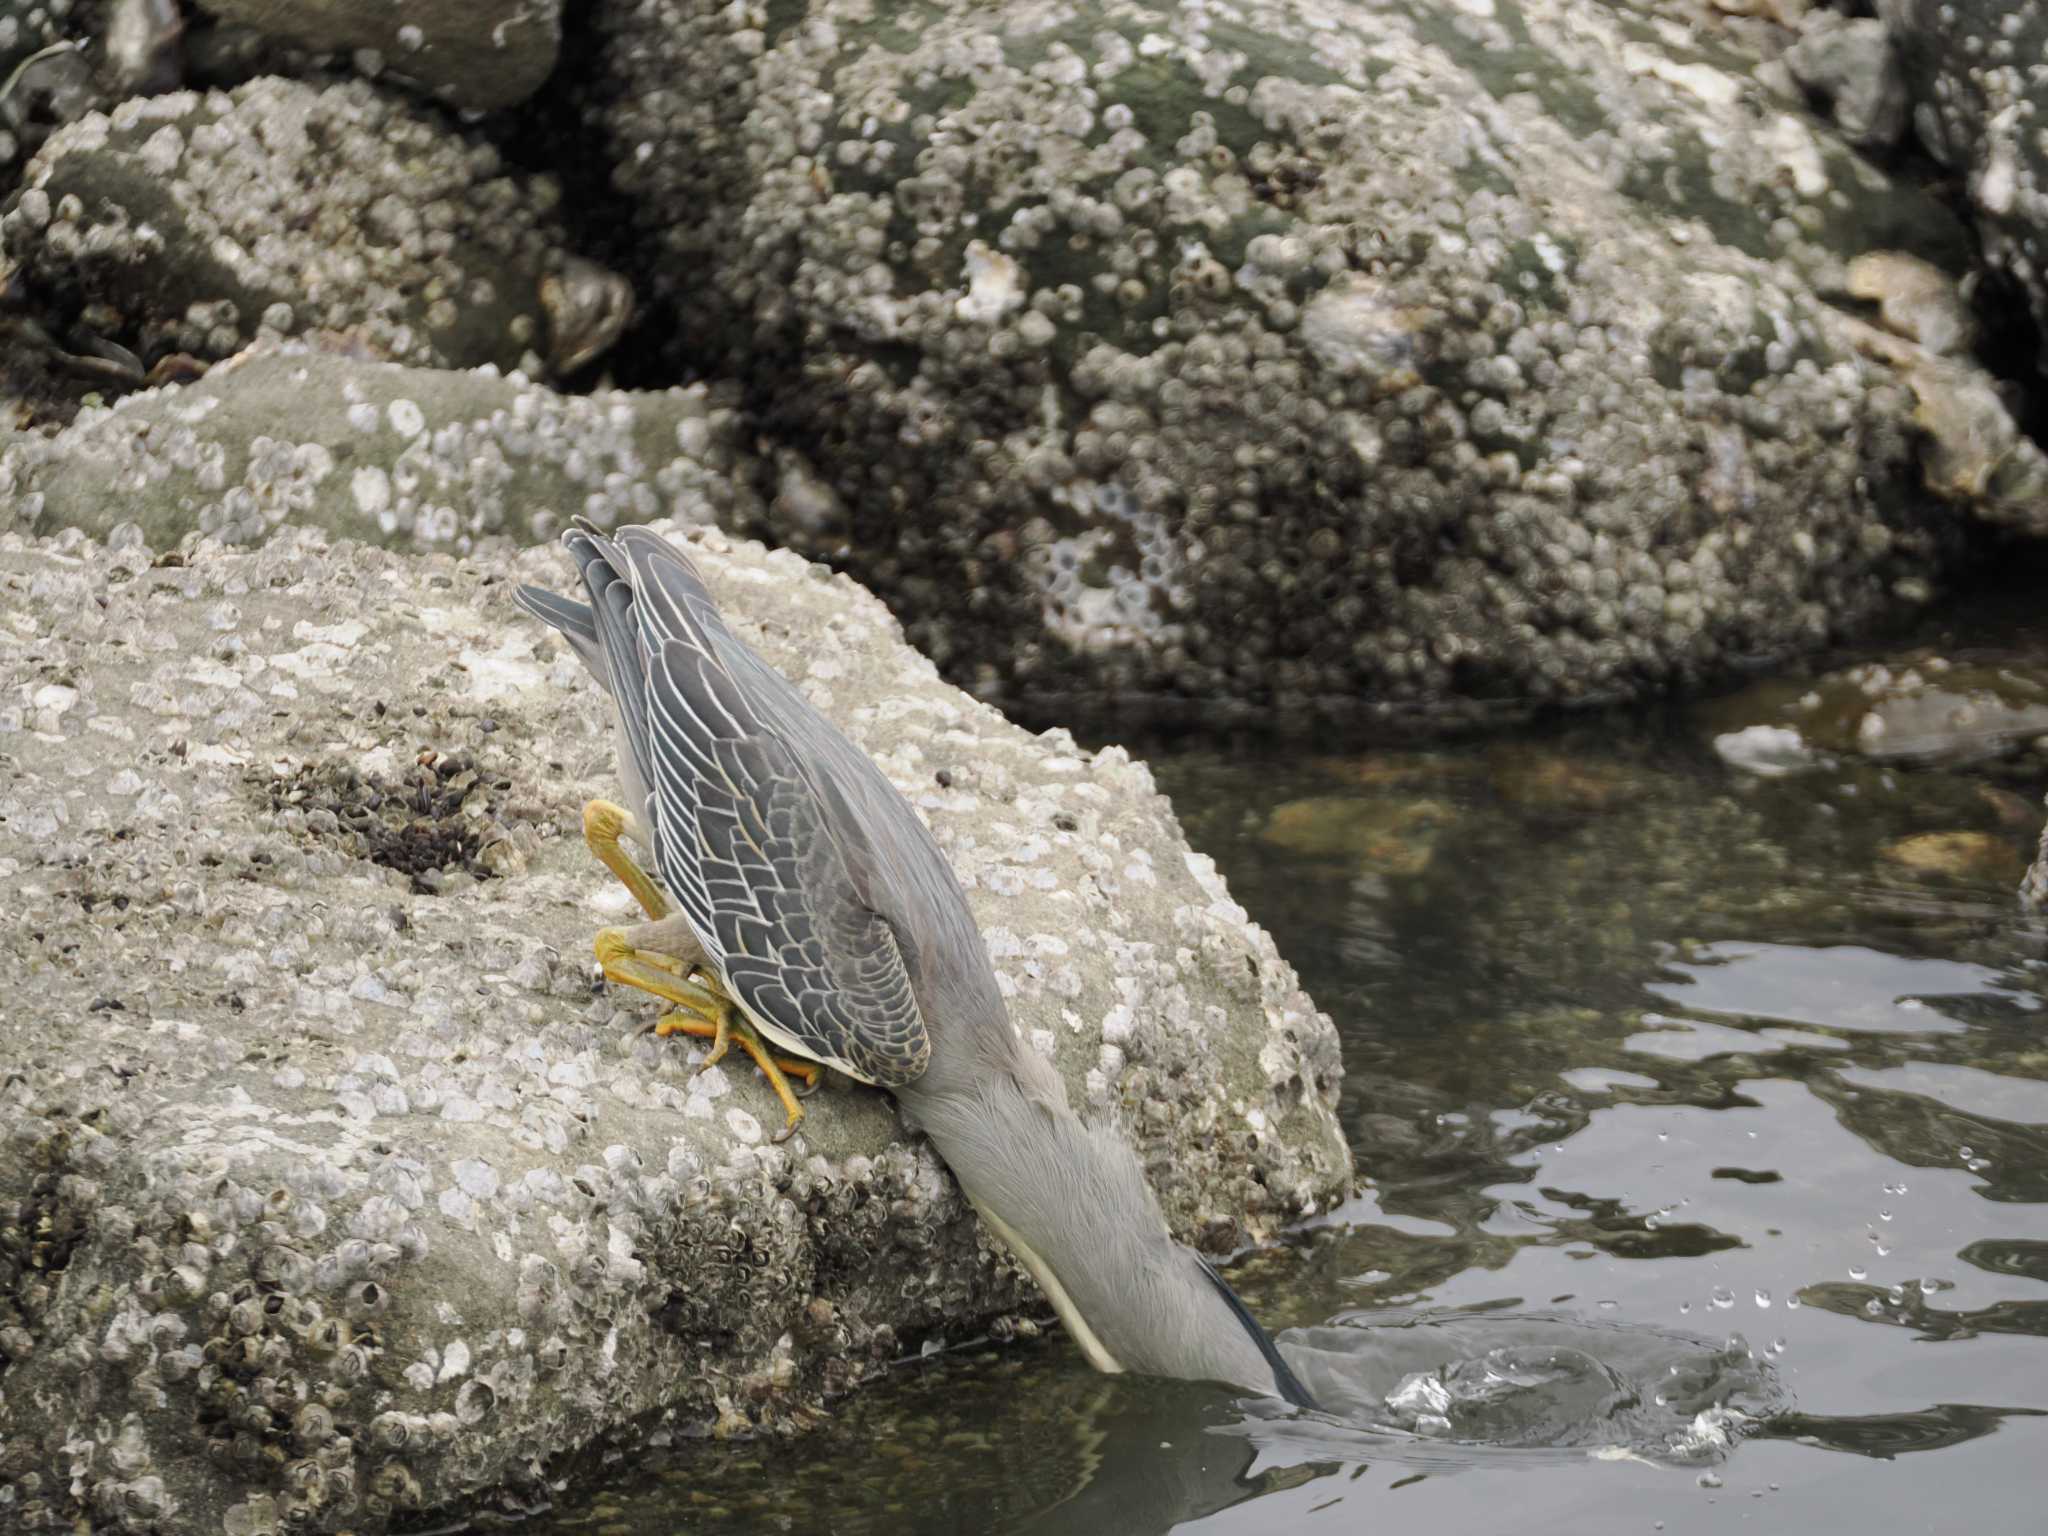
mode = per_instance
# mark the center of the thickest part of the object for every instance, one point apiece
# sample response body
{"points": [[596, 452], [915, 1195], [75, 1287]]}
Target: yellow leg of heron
{"points": [[603, 822], [706, 1012]]}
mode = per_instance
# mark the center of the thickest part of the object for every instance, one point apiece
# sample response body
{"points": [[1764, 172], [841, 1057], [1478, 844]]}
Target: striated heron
{"points": [[815, 917]]}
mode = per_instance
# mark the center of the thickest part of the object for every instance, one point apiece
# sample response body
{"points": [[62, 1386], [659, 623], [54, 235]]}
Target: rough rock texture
{"points": [[331, 1186], [60, 59], [193, 222], [414, 457], [1302, 352], [2034, 889], [1973, 453], [1975, 68], [474, 56], [45, 76], [1850, 66]]}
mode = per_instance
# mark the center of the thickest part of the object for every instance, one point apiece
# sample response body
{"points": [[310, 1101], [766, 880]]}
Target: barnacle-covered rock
{"points": [[413, 457], [1306, 353], [1916, 708], [191, 223], [1849, 64], [330, 1193], [473, 55], [1974, 70], [60, 59], [2034, 888]]}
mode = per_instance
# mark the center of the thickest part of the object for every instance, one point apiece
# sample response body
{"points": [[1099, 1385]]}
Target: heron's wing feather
{"points": [[798, 944], [678, 604]]}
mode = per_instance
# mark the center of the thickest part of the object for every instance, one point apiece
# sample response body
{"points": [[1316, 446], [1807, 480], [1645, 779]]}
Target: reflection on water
{"points": [[1836, 986], [1638, 1046]]}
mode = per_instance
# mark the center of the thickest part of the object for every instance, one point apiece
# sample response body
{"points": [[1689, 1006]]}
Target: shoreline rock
{"points": [[334, 1189], [1299, 356], [476, 57], [197, 221], [418, 458]]}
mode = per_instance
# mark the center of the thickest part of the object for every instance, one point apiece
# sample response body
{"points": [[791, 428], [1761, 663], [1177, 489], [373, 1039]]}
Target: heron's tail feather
{"points": [[573, 621]]}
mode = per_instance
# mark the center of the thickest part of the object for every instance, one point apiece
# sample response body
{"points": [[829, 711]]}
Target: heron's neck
{"points": [[1070, 1200]]}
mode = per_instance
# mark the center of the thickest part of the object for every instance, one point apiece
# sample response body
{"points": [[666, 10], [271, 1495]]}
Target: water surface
{"points": [[1635, 1041]]}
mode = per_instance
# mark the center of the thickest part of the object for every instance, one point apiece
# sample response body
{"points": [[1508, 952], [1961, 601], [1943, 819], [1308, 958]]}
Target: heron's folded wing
{"points": [[800, 948]]}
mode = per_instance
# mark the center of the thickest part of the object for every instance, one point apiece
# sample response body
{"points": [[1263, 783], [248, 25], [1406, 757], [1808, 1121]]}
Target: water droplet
{"points": [[1928, 1286], [1858, 1272], [1965, 1152], [1884, 1215], [1763, 1298], [1709, 1480], [1684, 1307], [1874, 1307], [1898, 1293], [1723, 1298], [1881, 1250], [1792, 1303]]}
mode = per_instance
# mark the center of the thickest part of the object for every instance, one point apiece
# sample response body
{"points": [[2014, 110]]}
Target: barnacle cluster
{"points": [[1975, 81], [195, 222], [1263, 355], [441, 816], [424, 458]]}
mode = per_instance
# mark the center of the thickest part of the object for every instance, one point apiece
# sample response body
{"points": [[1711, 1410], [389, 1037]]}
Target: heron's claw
{"points": [[732, 1026]]}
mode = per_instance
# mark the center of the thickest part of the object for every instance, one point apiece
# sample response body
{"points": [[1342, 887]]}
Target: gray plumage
{"points": [[839, 927], [755, 839]]}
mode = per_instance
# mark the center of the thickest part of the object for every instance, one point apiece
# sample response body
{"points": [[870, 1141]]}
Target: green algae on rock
{"points": [[1306, 354], [329, 1194]]}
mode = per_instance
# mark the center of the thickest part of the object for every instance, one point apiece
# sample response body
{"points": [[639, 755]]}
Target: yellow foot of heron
{"points": [[702, 1009], [731, 1027]]}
